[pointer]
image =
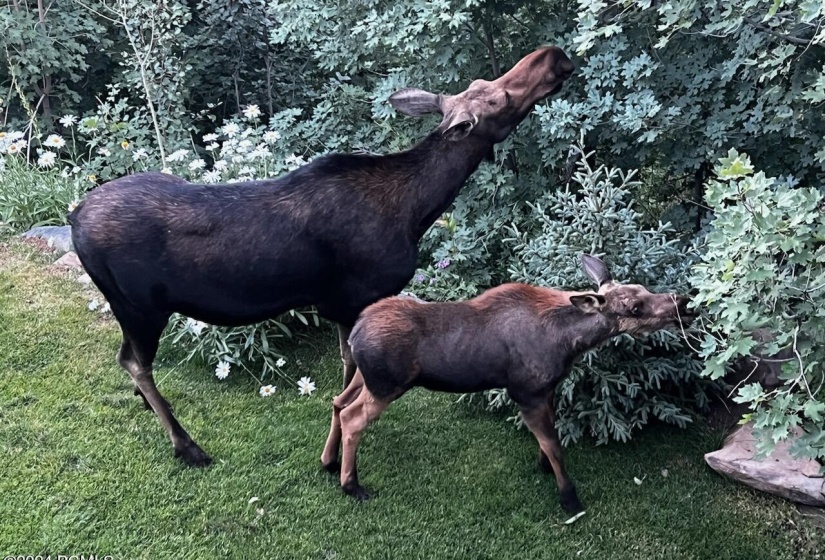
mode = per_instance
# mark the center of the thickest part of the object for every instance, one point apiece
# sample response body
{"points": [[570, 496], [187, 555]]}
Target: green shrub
{"points": [[763, 267]]}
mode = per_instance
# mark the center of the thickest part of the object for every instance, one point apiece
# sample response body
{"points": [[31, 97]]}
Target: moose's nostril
{"points": [[565, 68]]}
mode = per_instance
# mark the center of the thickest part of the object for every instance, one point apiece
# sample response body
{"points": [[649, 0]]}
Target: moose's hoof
{"points": [[333, 467], [544, 464], [193, 456], [570, 501], [146, 404], [356, 491]]}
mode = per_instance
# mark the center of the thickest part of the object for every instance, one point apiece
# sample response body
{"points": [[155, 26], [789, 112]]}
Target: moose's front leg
{"points": [[541, 421]]}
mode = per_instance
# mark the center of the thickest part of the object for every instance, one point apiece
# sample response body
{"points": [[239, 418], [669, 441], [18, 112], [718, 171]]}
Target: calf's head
{"points": [[491, 109], [631, 308]]}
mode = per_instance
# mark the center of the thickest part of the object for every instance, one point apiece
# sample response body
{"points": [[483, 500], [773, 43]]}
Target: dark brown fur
{"points": [[517, 337], [339, 233]]}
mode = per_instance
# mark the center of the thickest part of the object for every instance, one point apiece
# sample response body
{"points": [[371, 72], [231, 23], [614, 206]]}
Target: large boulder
{"points": [[57, 237], [798, 480]]}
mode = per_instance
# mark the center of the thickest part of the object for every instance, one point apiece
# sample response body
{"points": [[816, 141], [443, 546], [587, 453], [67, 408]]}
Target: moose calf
{"points": [[519, 337]]}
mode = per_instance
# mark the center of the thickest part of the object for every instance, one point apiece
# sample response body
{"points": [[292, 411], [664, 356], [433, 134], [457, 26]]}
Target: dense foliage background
{"points": [[663, 88]]}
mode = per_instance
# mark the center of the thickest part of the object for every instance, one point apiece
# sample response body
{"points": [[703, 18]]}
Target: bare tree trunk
{"points": [[237, 91], [46, 91], [268, 62], [699, 195]]}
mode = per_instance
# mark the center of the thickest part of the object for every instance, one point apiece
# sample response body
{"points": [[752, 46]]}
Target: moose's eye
{"points": [[636, 310]]}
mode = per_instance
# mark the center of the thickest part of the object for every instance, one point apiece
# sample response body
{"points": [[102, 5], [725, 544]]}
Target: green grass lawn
{"points": [[85, 470]]}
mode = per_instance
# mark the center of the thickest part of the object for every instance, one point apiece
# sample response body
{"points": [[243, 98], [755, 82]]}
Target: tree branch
{"points": [[488, 41], [769, 31]]}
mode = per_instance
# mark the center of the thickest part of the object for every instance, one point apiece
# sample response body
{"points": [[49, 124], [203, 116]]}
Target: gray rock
{"points": [[798, 480], [58, 237], [69, 260]]}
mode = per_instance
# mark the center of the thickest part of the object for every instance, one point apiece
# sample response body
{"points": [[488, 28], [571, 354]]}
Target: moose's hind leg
{"points": [[329, 458], [141, 336], [354, 420]]}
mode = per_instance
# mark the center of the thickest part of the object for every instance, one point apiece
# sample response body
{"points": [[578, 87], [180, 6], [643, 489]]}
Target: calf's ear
{"points": [[596, 269], [589, 303]]}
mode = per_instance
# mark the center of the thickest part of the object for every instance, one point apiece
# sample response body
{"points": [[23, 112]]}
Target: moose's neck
{"points": [[581, 331], [440, 168]]}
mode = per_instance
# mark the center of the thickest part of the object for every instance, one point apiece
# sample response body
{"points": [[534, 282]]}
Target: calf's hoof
{"points": [[333, 467], [193, 456], [570, 501], [356, 491]]}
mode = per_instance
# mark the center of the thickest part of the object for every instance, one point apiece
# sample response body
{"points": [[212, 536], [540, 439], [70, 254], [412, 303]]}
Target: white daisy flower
{"points": [[237, 159], [72, 205], [213, 176], [54, 141], [247, 170], [222, 370], [280, 363], [213, 146], [292, 159], [306, 386], [178, 155], [104, 152], [220, 165], [211, 137], [46, 159], [245, 145], [258, 153], [15, 135], [197, 164], [13, 148], [195, 326], [166, 170], [271, 136], [248, 132], [138, 154], [68, 120], [230, 129], [252, 112], [267, 390]]}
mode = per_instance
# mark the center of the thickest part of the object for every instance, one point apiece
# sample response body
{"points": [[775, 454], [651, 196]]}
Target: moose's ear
{"points": [[457, 126], [415, 102], [589, 303], [596, 269]]}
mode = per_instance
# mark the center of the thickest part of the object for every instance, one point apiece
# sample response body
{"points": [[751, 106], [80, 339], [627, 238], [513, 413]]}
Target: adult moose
{"points": [[339, 233], [516, 337]]}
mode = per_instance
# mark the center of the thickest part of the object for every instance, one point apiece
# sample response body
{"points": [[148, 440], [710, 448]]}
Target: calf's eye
{"points": [[636, 310]]}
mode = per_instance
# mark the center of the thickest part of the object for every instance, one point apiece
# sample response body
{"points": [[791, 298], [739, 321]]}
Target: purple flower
{"points": [[419, 278], [443, 263]]}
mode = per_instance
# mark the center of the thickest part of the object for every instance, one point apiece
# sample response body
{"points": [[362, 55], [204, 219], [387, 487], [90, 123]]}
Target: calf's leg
{"points": [[354, 420], [540, 421], [329, 458]]}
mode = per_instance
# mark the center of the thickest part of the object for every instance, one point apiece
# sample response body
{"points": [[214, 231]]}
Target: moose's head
{"points": [[631, 308], [491, 109]]}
